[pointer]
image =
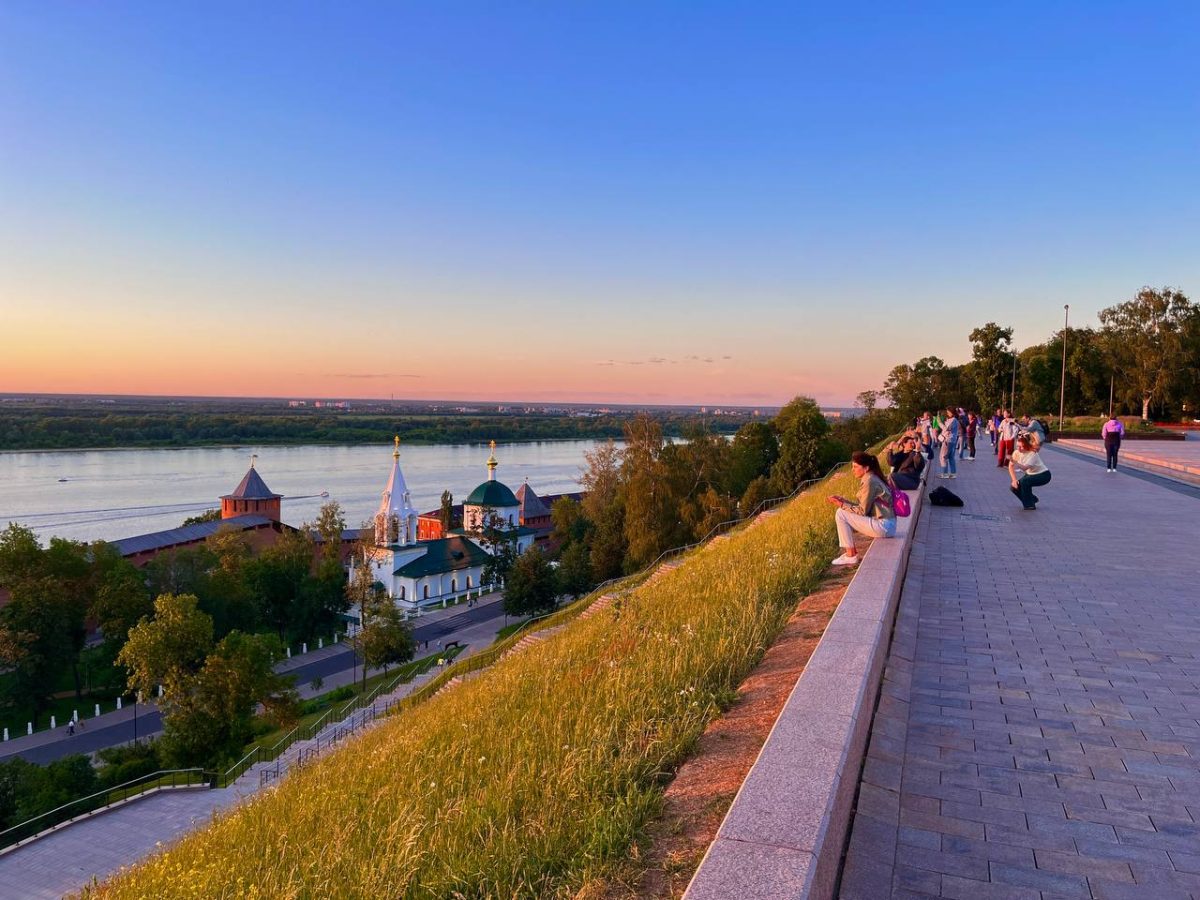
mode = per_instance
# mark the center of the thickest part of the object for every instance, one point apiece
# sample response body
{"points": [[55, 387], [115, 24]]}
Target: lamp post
{"points": [[1012, 394], [136, 697], [1062, 386]]}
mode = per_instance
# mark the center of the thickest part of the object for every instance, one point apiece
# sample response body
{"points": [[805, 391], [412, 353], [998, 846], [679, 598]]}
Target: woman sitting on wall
{"points": [[906, 463], [871, 515]]}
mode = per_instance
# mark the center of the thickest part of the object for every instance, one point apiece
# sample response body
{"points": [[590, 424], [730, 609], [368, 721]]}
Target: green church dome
{"points": [[492, 494]]}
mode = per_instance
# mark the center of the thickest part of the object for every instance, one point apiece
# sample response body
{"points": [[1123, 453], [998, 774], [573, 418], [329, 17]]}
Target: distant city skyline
{"points": [[621, 203]]}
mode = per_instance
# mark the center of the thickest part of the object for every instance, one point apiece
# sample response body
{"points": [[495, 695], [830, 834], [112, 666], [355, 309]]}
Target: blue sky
{"points": [[539, 200]]}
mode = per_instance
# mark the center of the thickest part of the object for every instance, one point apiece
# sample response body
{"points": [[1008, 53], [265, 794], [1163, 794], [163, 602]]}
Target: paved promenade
{"points": [[1175, 459], [1038, 732]]}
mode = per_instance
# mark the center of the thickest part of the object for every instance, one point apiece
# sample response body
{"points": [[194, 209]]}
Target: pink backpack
{"points": [[900, 505]]}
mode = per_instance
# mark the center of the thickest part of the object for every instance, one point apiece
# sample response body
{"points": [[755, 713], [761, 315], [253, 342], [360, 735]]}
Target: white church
{"points": [[418, 574]]}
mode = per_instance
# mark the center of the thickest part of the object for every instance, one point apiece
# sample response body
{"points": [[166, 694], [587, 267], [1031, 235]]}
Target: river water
{"points": [[111, 494]]}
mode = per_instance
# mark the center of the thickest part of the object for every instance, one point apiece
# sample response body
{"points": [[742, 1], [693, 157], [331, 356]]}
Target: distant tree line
{"points": [[1147, 350], [38, 427], [656, 494]]}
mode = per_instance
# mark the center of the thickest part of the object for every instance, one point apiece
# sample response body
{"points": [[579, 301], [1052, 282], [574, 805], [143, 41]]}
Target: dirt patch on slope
{"points": [[697, 799]]}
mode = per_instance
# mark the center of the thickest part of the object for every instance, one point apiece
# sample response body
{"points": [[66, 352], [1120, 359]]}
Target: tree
{"points": [[710, 509], [446, 513], [651, 506], [802, 430], [575, 570], [209, 515], [500, 542], [919, 387], [603, 506], [37, 641], [207, 716], [991, 364], [752, 453], [570, 524], [277, 578], [385, 638], [756, 492], [1145, 338], [170, 648], [531, 587]]}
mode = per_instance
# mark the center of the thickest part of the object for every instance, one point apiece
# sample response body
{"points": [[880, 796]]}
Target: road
{"points": [[94, 737]]}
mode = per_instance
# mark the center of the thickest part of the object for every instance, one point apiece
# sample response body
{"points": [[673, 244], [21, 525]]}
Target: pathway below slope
{"points": [[1038, 732], [97, 847]]}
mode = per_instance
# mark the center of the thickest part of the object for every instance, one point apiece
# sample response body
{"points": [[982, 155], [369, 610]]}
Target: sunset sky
{"points": [[621, 201]]}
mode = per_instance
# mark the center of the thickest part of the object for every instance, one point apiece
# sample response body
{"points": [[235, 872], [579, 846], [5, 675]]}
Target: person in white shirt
{"points": [[1027, 471], [1008, 433]]}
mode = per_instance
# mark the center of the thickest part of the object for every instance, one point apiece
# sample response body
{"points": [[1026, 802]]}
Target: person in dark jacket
{"points": [[907, 463]]}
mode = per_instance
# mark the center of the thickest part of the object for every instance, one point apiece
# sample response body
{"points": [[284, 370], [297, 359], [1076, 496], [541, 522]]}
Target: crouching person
{"points": [[1027, 471], [871, 515]]}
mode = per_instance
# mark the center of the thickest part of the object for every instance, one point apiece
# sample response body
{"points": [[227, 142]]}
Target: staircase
{"points": [[301, 752]]}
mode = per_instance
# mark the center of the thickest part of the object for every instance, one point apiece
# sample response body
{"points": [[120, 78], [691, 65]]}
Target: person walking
{"points": [[870, 515], [963, 421], [972, 431], [1112, 431], [1027, 471]]}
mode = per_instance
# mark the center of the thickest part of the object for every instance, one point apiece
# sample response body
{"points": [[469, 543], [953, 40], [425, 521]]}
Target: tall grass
{"points": [[531, 777]]}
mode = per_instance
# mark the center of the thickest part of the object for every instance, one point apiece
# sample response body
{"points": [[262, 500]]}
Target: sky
{"points": [[691, 202]]}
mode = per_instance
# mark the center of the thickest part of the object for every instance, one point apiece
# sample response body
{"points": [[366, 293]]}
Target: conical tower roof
{"points": [[252, 487]]}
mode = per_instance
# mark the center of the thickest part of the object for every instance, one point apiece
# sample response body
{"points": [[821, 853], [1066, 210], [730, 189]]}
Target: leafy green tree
{"points": [[918, 387], [575, 569], [208, 716], [991, 364], [802, 430], [710, 509], [279, 577], [571, 525], [532, 586], [446, 512], [209, 515], [603, 506], [385, 638], [38, 641], [20, 555], [651, 503], [169, 648], [752, 453], [1145, 338], [757, 491]]}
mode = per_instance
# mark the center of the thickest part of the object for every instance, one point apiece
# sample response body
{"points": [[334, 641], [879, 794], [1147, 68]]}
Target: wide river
{"points": [[110, 494]]}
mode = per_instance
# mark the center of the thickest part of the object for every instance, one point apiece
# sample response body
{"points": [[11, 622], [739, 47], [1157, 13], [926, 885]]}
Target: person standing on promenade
{"points": [[972, 431], [1008, 433], [963, 421], [949, 446], [925, 435], [871, 515], [1112, 431], [1027, 471]]}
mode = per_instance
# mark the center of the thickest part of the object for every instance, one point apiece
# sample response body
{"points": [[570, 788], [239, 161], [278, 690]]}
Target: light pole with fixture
{"points": [[1062, 387]]}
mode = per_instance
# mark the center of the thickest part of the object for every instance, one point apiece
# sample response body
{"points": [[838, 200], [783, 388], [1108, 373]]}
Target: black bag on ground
{"points": [[939, 496]]}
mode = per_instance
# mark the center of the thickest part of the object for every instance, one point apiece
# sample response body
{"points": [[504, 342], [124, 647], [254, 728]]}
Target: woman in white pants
{"points": [[871, 515]]}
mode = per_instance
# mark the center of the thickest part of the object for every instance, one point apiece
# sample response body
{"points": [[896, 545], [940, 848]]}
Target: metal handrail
{"points": [[193, 776]]}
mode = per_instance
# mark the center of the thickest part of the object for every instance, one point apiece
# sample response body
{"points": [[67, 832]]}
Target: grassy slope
{"points": [[525, 780]]}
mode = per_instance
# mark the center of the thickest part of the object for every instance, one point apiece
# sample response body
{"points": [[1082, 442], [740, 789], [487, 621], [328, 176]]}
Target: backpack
{"points": [[939, 496], [900, 505]]}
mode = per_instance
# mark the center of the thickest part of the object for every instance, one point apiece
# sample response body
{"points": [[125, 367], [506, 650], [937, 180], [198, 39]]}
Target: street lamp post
{"points": [[1012, 394], [136, 697], [1062, 386]]}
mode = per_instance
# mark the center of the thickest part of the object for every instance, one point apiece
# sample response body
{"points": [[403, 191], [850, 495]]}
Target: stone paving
{"points": [[1177, 459], [1038, 730]]}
